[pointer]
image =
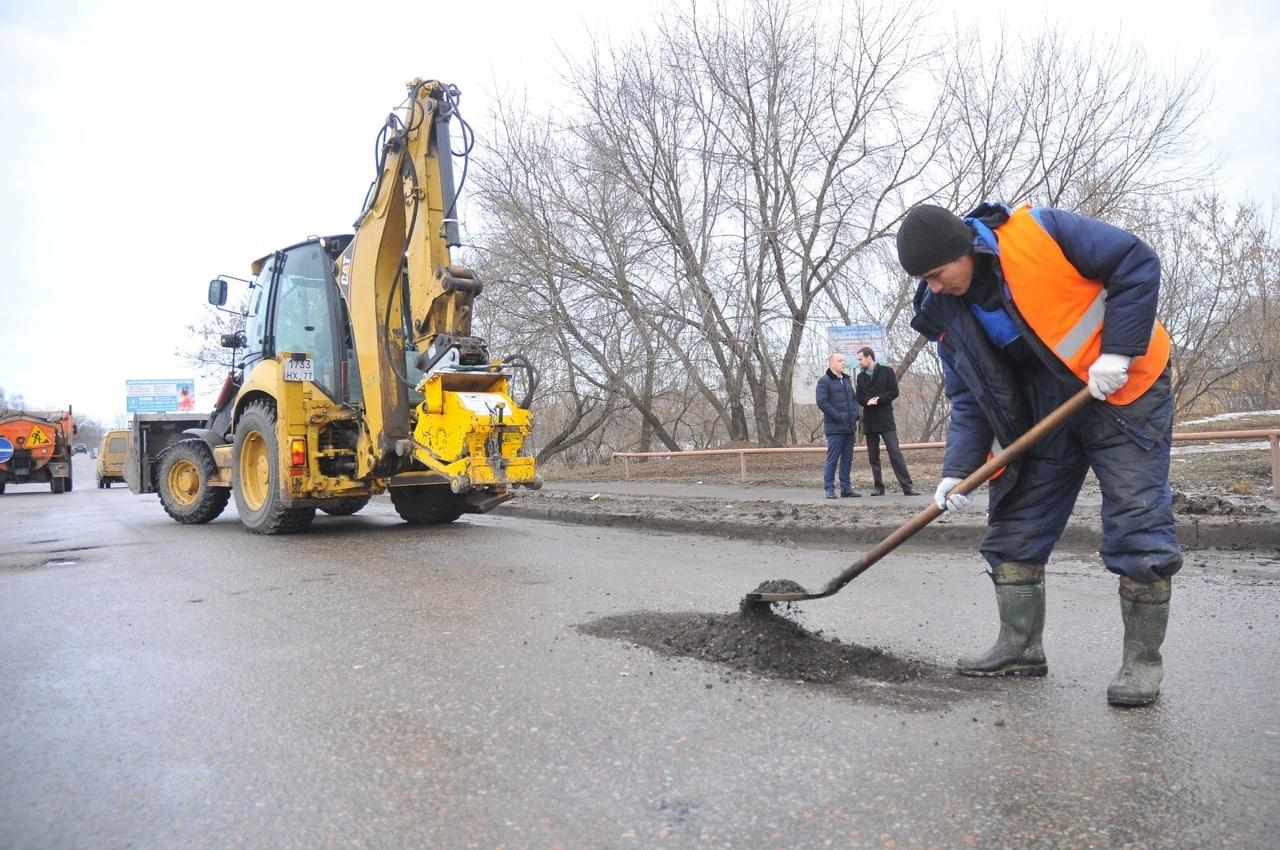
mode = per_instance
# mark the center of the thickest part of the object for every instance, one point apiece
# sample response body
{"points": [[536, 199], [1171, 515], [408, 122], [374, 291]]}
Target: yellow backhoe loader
{"points": [[359, 371]]}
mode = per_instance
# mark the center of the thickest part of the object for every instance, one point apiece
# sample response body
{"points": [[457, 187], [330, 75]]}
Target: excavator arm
{"points": [[435, 405]]}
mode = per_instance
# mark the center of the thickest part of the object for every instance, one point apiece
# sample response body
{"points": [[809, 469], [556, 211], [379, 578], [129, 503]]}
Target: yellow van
{"points": [[111, 454]]}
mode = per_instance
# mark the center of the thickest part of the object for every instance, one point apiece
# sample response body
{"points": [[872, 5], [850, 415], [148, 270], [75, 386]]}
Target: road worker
{"points": [[1027, 306]]}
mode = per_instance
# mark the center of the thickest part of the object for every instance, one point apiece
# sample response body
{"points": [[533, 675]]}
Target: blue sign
{"points": [[849, 339], [163, 395], [6, 449]]}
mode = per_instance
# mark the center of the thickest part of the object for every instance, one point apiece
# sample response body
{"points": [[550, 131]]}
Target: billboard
{"points": [[160, 395], [847, 339], [804, 386]]}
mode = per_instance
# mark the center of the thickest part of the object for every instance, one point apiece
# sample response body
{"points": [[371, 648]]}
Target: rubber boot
{"points": [[1145, 609], [1017, 650]]}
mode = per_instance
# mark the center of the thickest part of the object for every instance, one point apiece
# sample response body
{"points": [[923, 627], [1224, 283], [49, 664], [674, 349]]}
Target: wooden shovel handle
{"points": [[975, 480]]}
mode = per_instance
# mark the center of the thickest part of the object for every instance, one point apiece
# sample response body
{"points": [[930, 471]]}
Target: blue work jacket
{"points": [[988, 390]]}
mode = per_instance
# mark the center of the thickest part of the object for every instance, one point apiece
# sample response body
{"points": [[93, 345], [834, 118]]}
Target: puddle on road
{"points": [[770, 646], [48, 563]]}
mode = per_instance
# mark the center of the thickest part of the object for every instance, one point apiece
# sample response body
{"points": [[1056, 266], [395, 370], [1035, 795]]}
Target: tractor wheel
{"points": [[345, 507], [429, 504], [255, 473], [185, 470]]}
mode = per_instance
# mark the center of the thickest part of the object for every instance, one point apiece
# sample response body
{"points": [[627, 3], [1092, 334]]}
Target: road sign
{"points": [[6, 449], [37, 438]]}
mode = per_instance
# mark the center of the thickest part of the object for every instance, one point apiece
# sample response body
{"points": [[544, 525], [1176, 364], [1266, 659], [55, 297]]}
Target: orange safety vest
{"points": [[1064, 308]]}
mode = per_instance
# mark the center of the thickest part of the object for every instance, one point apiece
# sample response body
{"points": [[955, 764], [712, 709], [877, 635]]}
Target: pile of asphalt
{"points": [[760, 642]]}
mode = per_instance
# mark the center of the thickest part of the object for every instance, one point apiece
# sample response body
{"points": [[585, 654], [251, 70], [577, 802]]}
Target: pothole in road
{"points": [[767, 645], [61, 562]]}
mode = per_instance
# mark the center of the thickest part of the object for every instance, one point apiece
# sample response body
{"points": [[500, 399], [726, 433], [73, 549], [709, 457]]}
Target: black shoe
{"points": [[844, 494], [831, 494], [877, 490], [911, 491]]}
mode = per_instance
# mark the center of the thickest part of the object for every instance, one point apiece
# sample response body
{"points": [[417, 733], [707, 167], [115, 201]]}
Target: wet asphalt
{"points": [[373, 685]]}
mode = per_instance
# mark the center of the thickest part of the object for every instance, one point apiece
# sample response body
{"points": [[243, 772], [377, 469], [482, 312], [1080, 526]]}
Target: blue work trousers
{"points": [[1131, 462], [839, 452]]}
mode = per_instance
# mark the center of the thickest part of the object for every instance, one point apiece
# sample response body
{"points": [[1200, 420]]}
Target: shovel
{"points": [[762, 598]]}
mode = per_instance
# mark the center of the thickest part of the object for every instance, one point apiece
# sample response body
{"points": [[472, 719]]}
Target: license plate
{"points": [[299, 370]]}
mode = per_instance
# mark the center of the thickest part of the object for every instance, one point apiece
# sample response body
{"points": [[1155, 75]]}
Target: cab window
{"points": [[255, 327], [304, 311]]}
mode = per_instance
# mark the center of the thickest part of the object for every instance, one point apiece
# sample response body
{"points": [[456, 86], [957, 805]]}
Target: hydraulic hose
{"points": [[532, 373]]}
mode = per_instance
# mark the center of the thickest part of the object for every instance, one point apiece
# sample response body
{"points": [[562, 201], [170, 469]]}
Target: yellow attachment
{"points": [[469, 429]]}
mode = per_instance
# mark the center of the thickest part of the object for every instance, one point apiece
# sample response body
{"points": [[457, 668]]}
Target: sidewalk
{"points": [[806, 516]]}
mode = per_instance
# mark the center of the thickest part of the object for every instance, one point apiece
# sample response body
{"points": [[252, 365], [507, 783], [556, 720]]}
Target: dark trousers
{"points": [[839, 451], [1138, 537], [895, 458]]}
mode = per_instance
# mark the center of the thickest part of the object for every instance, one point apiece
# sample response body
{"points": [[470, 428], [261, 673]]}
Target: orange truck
{"points": [[36, 448]]}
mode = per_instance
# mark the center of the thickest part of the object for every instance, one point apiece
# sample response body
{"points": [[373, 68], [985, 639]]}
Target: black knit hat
{"points": [[930, 237]]}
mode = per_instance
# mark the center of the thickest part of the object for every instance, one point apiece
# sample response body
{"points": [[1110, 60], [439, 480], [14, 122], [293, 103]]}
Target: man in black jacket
{"points": [[877, 388], [839, 404]]}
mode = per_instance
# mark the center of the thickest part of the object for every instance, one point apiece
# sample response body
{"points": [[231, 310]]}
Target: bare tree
{"points": [[1087, 126], [11, 403], [1219, 300], [706, 195], [208, 356]]}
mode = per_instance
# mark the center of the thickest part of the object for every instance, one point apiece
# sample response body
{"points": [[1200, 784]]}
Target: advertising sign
{"points": [[847, 339], [160, 395], [804, 387]]}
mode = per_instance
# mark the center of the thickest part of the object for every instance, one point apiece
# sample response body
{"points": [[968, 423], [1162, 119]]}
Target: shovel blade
{"points": [[789, 596]]}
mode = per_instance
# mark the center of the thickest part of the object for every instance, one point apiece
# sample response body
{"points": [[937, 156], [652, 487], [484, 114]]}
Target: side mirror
{"points": [[217, 292], [234, 340]]}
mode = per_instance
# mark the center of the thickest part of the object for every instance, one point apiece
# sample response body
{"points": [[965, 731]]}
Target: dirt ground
{"points": [[1197, 469]]}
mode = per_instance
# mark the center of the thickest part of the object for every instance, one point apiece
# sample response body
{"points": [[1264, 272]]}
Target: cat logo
{"points": [[37, 438]]}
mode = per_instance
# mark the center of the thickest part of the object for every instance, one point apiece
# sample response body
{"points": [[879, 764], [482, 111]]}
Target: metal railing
{"points": [[1270, 434]]}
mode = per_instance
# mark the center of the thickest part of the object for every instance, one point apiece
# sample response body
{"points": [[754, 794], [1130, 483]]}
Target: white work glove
{"points": [[956, 502], [1108, 374]]}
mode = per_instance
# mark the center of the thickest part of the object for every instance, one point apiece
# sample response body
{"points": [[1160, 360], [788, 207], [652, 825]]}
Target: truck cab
{"points": [[298, 307]]}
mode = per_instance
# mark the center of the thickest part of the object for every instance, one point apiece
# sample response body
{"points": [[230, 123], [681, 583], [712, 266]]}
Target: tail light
{"points": [[298, 452]]}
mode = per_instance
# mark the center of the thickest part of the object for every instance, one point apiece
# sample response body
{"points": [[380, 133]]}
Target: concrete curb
{"points": [[1193, 532]]}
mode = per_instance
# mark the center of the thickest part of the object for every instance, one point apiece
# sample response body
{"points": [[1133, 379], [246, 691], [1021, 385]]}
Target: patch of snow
{"points": [[1223, 417], [1212, 448]]}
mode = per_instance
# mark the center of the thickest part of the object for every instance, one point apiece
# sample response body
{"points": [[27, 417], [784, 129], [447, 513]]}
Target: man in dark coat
{"points": [[877, 388], [839, 404]]}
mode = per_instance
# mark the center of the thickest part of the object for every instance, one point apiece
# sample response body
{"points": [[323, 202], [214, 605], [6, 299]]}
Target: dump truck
{"points": [[35, 447], [357, 372]]}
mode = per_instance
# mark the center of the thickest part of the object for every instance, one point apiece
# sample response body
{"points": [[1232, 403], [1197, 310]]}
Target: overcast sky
{"points": [[150, 146]]}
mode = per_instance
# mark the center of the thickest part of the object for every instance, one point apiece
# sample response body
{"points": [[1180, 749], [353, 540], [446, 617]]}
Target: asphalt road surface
{"points": [[374, 685]]}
